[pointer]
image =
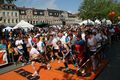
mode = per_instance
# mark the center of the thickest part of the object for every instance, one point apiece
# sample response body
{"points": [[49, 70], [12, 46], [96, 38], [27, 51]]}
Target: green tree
{"points": [[98, 8]]}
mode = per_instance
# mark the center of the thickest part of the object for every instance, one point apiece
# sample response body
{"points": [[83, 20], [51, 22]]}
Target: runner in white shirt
{"points": [[92, 45], [41, 47], [62, 38], [56, 48], [34, 56], [19, 45]]}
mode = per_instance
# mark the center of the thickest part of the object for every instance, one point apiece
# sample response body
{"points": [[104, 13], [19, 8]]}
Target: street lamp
{"points": [[62, 18]]}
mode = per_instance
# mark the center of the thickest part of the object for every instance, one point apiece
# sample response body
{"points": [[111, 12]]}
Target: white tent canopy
{"points": [[108, 22], [97, 22], [24, 25], [103, 20], [119, 22], [7, 28], [87, 22]]}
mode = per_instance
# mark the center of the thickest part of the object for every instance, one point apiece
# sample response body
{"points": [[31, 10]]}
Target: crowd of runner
{"points": [[68, 44]]}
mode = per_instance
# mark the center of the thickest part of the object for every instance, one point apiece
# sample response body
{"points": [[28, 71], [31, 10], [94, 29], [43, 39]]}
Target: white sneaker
{"points": [[35, 74], [48, 67], [52, 59]]}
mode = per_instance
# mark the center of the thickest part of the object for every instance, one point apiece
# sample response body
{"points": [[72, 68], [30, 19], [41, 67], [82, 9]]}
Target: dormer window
{"points": [[14, 7], [41, 13], [22, 12], [11, 7], [50, 14], [35, 12], [6, 7]]}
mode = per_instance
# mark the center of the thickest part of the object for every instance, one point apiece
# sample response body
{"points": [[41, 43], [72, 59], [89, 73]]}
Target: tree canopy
{"points": [[91, 9]]}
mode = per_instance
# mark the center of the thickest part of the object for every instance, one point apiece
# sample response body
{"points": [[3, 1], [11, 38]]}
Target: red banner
{"points": [[3, 57]]}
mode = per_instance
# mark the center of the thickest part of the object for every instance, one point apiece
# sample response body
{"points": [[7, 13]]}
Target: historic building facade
{"points": [[10, 15]]}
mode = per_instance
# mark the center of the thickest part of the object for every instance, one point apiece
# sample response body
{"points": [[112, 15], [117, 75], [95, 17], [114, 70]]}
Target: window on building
{"points": [[8, 20], [41, 13], [33, 22], [30, 22], [7, 13], [12, 20], [3, 13], [50, 14], [16, 20], [11, 13], [11, 7], [6, 7], [14, 7], [30, 12], [15, 14], [4, 20], [35, 12], [36, 21], [22, 12]]}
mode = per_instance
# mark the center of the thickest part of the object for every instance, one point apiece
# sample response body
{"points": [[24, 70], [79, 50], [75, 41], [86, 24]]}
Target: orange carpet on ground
{"points": [[52, 74]]}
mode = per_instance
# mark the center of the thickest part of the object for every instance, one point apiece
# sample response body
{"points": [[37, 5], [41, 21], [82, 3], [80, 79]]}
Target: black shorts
{"points": [[91, 53], [40, 60], [55, 50], [36, 60]]}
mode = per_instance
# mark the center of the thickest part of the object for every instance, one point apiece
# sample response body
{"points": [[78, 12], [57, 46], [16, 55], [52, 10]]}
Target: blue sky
{"points": [[68, 5]]}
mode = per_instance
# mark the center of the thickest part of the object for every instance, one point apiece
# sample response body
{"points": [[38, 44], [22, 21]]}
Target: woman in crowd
{"points": [[10, 52], [65, 51], [79, 50], [62, 43], [41, 47], [19, 47], [92, 45]]}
